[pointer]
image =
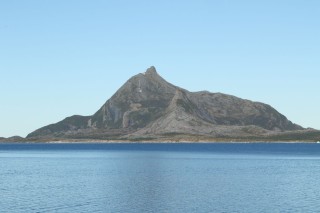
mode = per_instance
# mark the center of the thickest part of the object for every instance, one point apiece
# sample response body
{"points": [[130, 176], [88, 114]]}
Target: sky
{"points": [[64, 57]]}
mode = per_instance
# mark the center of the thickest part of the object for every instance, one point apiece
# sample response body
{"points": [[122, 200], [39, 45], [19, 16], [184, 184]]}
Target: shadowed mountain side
{"points": [[148, 106]]}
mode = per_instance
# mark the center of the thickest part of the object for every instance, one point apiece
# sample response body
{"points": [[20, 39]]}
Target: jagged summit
{"points": [[151, 71], [148, 105]]}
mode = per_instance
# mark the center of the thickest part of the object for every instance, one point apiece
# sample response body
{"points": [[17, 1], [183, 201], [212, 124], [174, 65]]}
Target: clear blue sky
{"points": [[65, 57]]}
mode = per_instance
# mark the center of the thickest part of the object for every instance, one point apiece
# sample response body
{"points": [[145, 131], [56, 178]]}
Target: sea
{"points": [[139, 177]]}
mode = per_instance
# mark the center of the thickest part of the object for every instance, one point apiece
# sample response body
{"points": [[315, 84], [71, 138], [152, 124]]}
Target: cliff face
{"points": [[148, 105], [142, 99]]}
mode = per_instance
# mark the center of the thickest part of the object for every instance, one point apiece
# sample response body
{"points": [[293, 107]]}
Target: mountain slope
{"points": [[147, 105]]}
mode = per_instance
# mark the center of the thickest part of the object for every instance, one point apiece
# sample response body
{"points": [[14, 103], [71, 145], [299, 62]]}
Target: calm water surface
{"points": [[159, 177]]}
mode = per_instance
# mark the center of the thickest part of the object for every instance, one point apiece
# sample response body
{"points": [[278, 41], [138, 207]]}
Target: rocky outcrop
{"points": [[147, 105]]}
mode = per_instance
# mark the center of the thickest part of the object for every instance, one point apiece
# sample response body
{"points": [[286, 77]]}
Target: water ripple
{"points": [[153, 181]]}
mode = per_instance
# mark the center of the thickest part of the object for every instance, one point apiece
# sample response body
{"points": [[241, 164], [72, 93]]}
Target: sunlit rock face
{"points": [[148, 105]]}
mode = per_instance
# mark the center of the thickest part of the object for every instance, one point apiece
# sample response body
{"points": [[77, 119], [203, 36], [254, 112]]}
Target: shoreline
{"points": [[155, 142]]}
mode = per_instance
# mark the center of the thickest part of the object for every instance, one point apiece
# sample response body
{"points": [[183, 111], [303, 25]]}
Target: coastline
{"points": [[305, 136], [167, 141]]}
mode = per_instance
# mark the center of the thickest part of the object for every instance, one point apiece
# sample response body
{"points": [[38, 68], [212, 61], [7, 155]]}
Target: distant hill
{"points": [[12, 139], [147, 107]]}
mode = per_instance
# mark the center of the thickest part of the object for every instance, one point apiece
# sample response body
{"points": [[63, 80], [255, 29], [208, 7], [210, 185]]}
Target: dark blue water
{"points": [[159, 177]]}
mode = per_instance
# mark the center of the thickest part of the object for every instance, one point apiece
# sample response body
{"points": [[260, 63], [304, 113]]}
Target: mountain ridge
{"points": [[147, 106]]}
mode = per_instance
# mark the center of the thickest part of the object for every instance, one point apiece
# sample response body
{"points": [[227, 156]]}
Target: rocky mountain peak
{"points": [[150, 83], [151, 71], [148, 104]]}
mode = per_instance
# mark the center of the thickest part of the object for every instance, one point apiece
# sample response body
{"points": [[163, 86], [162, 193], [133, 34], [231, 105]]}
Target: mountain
{"points": [[147, 107]]}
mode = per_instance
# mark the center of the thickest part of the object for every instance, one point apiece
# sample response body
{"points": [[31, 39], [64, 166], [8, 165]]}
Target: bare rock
{"points": [[148, 105]]}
